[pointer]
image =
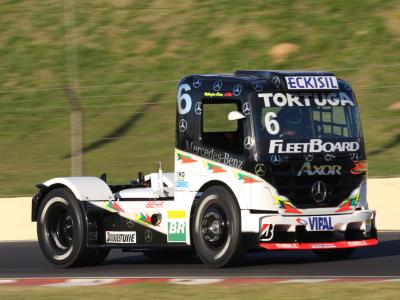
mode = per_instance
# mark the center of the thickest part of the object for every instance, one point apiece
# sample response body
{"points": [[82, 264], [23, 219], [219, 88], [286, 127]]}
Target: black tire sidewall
{"points": [[231, 252], [74, 254]]}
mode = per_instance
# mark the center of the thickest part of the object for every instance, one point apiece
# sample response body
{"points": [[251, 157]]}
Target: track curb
{"points": [[112, 281]]}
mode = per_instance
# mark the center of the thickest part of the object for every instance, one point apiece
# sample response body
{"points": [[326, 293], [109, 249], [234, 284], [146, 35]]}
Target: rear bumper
{"points": [[318, 246]]}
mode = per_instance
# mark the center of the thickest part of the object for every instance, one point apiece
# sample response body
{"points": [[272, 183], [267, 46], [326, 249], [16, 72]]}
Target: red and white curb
{"points": [[72, 282]]}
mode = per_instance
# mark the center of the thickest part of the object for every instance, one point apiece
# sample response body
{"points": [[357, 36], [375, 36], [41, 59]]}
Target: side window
{"points": [[218, 131]]}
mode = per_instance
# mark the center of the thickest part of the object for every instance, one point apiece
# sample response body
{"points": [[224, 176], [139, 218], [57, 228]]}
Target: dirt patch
{"points": [[392, 20], [395, 106], [281, 52]]}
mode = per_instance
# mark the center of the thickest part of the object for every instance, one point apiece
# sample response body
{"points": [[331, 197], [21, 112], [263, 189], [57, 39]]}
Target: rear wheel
{"points": [[61, 231], [334, 254], [216, 228]]}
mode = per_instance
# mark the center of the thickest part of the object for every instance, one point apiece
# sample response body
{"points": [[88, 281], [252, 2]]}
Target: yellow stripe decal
{"points": [[176, 214]]}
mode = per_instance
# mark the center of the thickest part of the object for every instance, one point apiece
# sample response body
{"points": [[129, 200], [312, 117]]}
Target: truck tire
{"points": [[334, 254], [216, 228], [61, 230]]}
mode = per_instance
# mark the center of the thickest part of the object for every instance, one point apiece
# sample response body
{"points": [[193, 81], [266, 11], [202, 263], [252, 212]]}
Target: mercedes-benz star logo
{"points": [[260, 169], [328, 156], [217, 85], [246, 109], [237, 89], [354, 156], [148, 236], [258, 86], [130, 223], [275, 159], [197, 108], [197, 83], [308, 157], [318, 191], [248, 142], [182, 125], [276, 81], [346, 86]]}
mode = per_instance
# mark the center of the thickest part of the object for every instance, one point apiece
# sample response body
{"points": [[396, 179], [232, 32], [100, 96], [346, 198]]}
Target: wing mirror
{"points": [[235, 115]]}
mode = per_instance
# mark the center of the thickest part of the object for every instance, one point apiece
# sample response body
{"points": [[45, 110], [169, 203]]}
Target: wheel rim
{"points": [[60, 228], [214, 227]]}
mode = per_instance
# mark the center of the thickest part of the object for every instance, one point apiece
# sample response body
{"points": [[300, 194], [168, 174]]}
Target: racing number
{"points": [[271, 124], [183, 96]]}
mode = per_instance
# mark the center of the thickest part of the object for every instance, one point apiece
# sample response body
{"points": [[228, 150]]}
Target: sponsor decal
{"points": [[314, 146], [260, 169], [143, 218], [176, 226], [276, 159], [267, 232], [148, 236], [245, 178], [180, 175], [217, 85], [287, 245], [113, 206], [284, 203], [212, 154], [311, 83], [360, 167], [248, 142], [182, 125], [154, 204], [214, 168], [320, 224], [276, 81], [130, 223], [258, 86], [197, 108], [322, 246], [182, 184], [301, 221], [319, 191], [237, 89], [246, 109], [218, 94], [121, 237], [183, 100], [323, 170], [185, 159], [348, 204], [197, 82], [306, 99]]}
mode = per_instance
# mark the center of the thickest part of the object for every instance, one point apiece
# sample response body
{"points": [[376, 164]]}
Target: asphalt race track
{"points": [[24, 259]]}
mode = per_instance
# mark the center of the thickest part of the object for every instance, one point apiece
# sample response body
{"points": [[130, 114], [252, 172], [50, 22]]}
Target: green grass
{"points": [[134, 52], [331, 291]]}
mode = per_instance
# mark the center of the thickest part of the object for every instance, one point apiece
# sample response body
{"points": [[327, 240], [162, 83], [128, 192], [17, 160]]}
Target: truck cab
{"points": [[269, 160]]}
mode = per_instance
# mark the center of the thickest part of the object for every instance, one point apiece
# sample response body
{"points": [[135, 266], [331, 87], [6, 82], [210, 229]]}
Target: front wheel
{"points": [[216, 228], [61, 231], [334, 254]]}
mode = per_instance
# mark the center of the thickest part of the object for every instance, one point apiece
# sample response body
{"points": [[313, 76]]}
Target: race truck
{"points": [[264, 160]]}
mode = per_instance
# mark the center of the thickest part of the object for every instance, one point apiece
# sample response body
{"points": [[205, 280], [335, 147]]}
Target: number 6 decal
{"points": [[271, 124], [183, 96]]}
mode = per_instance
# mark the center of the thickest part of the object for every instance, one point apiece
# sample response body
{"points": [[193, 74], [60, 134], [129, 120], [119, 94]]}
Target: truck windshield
{"points": [[310, 122], [298, 124]]}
